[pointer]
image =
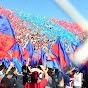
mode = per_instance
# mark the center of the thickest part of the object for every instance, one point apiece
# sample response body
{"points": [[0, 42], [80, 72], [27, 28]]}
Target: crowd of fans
{"points": [[40, 77], [40, 31]]}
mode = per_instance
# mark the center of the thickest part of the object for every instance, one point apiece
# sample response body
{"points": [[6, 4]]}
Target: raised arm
{"points": [[11, 65], [45, 72]]}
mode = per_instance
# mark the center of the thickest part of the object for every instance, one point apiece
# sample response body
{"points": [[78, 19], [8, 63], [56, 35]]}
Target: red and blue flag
{"points": [[43, 58], [16, 52], [28, 52], [83, 68], [61, 55], [52, 62], [75, 47], [7, 37], [35, 58]]}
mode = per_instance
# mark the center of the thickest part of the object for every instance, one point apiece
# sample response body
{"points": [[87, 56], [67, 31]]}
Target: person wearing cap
{"points": [[34, 79]]}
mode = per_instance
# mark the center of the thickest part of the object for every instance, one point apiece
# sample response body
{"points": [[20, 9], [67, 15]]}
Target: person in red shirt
{"points": [[34, 79]]}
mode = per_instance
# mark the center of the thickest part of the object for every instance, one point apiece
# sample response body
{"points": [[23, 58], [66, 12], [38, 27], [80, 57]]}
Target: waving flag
{"points": [[22, 60], [6, 63], [52, 62], [0, 61], [86, 66], [75, 47], [83, 67], [61, 55], [35, 58], [28, 52], [16, 52], [7, 37], [43, 58]]}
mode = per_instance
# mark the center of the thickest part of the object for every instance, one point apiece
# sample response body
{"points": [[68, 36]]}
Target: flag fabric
{"points": [[35, 59], [61, 55], [17, 64], [6, 63], [22, 60], [51, 60], [75, 47], [28, 52], [83, 67], [71, 53], [33, 62], [0, 61], [7, 37], [43, 58], [16, 52], [86, 66], [71, 58]]}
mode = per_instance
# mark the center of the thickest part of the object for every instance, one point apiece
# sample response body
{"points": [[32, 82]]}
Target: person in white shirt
{"points": [[78, 80]]}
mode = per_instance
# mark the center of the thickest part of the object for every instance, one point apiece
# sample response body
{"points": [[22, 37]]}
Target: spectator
{"points": [[49, 84], [78, 80], [8, 80], [58, 79], [34, 80], [26, 72]]}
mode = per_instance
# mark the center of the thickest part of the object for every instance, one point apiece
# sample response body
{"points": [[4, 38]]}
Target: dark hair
{"points": [[49, 71], [1, 67], [56, 70], [34, 77], [33, 80], [74, 70], [10, 73], [38, 66], [26, 68], [13, 69]]}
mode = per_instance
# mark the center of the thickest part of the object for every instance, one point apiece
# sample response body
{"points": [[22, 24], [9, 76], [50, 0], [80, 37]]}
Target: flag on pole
{"points": [[61, 55], [7, 37]]}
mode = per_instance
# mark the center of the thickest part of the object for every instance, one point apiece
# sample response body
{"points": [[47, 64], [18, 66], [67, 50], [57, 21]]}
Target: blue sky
{"points": [[46, 8]]}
